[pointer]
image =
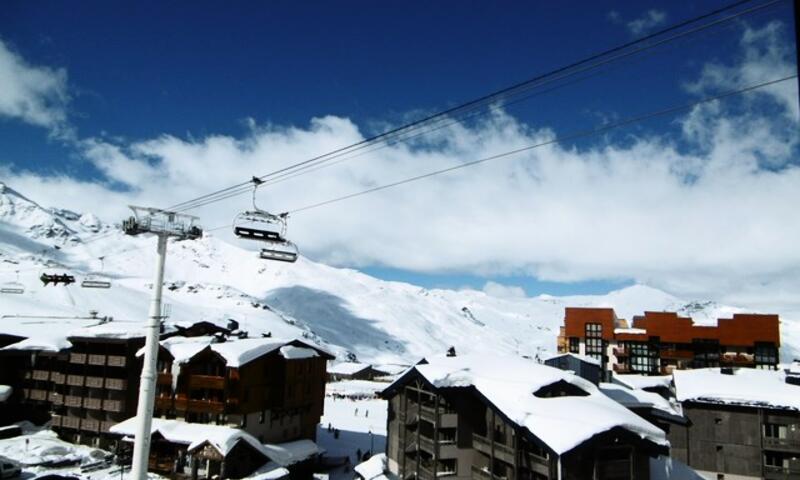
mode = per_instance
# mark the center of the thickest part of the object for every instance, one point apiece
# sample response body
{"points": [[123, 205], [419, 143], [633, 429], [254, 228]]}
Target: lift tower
{"points": [[163, 224]]}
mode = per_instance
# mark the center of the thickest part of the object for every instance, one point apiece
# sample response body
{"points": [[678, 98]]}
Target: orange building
{"points": [[659, 342]]}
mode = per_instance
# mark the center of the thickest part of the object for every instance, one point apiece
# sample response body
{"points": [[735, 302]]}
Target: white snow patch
{"points": [[745, 387]]}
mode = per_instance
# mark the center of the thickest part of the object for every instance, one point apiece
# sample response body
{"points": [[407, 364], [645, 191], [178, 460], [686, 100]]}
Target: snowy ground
{"points": [[361, 422]]}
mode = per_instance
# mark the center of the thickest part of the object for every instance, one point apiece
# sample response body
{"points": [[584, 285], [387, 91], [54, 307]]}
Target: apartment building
{"points": [[511, 418], [657, 343], [744, 423]]}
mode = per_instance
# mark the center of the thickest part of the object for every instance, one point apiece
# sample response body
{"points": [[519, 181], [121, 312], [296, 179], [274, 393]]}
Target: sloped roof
{"points": [[635, 398], [347, 368], [744, 387], [583, 358], [509, 383]]}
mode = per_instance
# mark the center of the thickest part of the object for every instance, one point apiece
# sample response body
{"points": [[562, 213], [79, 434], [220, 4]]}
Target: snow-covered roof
{"points": [[5, 392], [290, 352], [193, 434], [744, 387], [236, 352], [289, 453], [634, 398], [583, 358], [347, 368], [270, 471], [509, 383], [372, 468], [640, 382], [391, 368], [637, 331]]}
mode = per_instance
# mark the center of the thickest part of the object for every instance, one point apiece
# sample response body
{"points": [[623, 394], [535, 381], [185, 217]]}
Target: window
{"points": [[643, 358], [614, 463], [446, 467], [766, 356], [773, 430], [574, 345], [776, 460], [706, 353], [261, 417], [594, 341]]}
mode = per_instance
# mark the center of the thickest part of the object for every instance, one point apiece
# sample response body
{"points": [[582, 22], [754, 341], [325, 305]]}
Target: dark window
{"points": [[773, 430], [706, 353], [643, 358], [574, 345], [594, 341], [614, 464], [261, 417], [776, 460], [766, 356]]}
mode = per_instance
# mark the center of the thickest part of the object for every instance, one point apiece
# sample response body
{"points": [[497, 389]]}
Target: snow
{"points": [[355, 388], [583, 358], [289, 453], [745, 387], [36, 449], [630, 330], [290, 352], [270, 471], [192, 434], [634, 398], [239, 352], [640, 382], [5, 392], [372, 468], [347, 368], [510, 384]]}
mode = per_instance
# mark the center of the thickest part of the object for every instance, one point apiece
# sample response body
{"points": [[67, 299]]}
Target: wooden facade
{"points": [[659, 342]]}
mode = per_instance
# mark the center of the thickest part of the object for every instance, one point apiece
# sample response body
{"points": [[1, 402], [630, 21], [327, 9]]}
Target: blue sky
{"points": [[139, 72]]}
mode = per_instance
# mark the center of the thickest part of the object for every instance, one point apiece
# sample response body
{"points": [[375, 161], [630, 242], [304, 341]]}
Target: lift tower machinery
{"points": [[163, 224]]}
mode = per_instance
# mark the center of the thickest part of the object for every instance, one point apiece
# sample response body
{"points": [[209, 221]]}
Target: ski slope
{"points": [[354, 315]]}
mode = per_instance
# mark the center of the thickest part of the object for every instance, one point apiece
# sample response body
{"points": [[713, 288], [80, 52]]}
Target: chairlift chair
{"points": [[262, 226], [13, 288], [96, 280], [55, 279]]}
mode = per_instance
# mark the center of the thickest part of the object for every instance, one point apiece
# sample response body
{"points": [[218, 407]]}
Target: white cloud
{"points": [[638, 26], [33, 94], [702, 221], [499, 290]]}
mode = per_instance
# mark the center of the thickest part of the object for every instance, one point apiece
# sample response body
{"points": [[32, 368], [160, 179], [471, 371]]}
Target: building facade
{"points": [[659, 342]]}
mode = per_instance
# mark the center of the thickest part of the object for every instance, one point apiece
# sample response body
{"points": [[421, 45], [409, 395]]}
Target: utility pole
{"points": [[163, 224], [797, 42]]}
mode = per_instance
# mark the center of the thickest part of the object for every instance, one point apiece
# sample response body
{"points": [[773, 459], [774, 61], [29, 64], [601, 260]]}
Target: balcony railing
{"points": [[164, 378], [94, 382], [41, 375], [116, 384], [207, 381], [73, 401], [106, 426], [501, 451], [427, 445], [90, 425], [79, 358], [483, 473], [427, 412], [70, 422], [55, 398], [775, 472], [113, 405], [163, 403], [55, 420], [35, 394], [97, 359], [774, 442], [116, 361], [58, 378], [621, 368], [75, 380]]}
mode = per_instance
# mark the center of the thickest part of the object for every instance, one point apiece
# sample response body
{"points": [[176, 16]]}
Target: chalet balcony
{"points": [[97, 360], [55, 398], [501, 451], [106, 426], [58, 378], [75, 380], [536, 463], [621, 352], [43, 375], [426, 469], [427, 412], [35, 394], [164, 379], [199, 406], [89, 425], [677, 354], [78, 358], [210, 382], [116, 361], [94, 382], [427, 444], [113, 405], [781, 443], [71, 422], [163, 403], [93, 403], [484, 473], [780, 473], [73, 401], [55, 421], [116, 384]]}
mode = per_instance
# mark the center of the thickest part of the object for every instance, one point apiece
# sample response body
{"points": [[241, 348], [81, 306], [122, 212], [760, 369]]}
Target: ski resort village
{"points": [[418, 241]]}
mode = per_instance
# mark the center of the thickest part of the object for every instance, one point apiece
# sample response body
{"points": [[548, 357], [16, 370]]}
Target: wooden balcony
{"points": [[35, 394], [116, 384], [73, 401], [781, 443], [97, 360], [58, 378], [94, 382], [55, 398], [427, 444], [207, 381], [484, 474], [199, 406], [106, 426], [55, 421], [71, 422], [621, 368], [501, 451], [43, 375], [113, 405], [89, 425], [116, 361], [164, 379], [163, 403], [93, 403], [75, 380], [79, 358], [677, 354]]}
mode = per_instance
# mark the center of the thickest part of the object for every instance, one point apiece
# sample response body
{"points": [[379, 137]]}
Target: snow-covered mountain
{"points": [[351, 313]]}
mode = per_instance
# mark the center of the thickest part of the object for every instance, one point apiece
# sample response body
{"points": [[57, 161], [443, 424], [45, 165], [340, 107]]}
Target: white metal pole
{"points": [[144, 410]]}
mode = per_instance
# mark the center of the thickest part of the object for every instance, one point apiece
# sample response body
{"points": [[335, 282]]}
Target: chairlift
{"points": [[96, 280], [262, 226], [55, 279], [13, 288]]}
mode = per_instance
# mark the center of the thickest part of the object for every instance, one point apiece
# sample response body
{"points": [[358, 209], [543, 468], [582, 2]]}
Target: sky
{"points": [[154, 103]]}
